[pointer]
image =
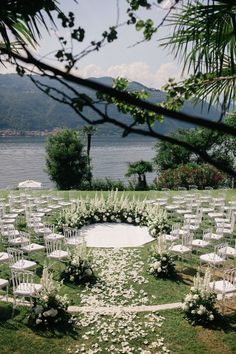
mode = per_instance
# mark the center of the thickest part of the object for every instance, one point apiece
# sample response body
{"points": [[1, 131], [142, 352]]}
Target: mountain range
{"points": [[24, 107]]}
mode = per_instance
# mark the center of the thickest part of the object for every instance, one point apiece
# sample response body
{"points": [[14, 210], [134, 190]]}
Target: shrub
{"points": [[191, 174], [105, 184]]}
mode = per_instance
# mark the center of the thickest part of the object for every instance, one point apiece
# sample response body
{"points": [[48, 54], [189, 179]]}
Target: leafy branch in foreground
{"points": [[204, 35]]}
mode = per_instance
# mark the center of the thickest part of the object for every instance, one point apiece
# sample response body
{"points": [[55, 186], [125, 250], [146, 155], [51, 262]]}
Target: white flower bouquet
{"points": [[78, 268], [199, 304], [161, 262], [50, 309]]}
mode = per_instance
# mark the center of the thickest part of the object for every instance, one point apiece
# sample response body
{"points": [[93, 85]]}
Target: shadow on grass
{"points": [[59, 331], [226, 323], [82, 283], [6, 313]]}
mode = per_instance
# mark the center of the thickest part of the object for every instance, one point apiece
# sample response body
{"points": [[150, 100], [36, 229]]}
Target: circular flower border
{"points": [[117, 209]]}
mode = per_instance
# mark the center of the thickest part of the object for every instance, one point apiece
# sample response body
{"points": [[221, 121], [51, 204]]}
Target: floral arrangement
{"points": [[114, 208], [78, 268], [161, 262], [199, 305], [50, 309]]}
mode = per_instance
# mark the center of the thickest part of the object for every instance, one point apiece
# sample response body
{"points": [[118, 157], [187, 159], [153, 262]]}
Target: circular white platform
{"points": [[112, 235]]}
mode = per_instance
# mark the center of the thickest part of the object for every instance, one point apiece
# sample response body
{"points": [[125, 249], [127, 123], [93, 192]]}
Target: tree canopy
{"points": [[67, 163], [219, 146], [140, 168]]}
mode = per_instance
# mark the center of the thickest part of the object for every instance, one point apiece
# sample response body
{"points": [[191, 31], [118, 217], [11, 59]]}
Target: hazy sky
{"points": [[146, 62]]}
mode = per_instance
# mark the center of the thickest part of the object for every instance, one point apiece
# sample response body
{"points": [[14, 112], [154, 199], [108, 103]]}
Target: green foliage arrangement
{"points": [[114, 208], [199, 305], [67, 163], [202, 175], [78, 268]]}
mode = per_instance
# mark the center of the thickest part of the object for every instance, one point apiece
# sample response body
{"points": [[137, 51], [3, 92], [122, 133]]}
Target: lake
{"points": [[23, 158]]}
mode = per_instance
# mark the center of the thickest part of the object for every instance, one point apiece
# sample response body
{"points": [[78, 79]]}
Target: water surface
{"points": [[23, 158]]}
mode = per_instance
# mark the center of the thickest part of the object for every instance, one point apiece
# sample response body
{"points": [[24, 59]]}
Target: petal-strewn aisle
{"points": [[124, 332]]}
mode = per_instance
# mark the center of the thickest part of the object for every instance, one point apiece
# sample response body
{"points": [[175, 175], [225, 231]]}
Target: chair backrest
{"points": [[230, 277], [221, 249], [187, 240], [176, 227], [11, 235], [15, 255], [71, 233], [53, 245], [207, 234], [25, 238]]}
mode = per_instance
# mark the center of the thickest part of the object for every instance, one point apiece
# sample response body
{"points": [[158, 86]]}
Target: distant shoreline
{"points": [[21, 133]]}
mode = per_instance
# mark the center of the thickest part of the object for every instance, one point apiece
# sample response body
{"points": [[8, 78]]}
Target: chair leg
{"points": [[13, 306], [223, 304], [7, 293]]}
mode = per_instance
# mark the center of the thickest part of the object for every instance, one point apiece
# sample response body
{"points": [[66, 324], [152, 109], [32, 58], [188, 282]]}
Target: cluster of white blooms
{"points": [[161, 262], [199, 304], [49, 307], [80, 252], [47, 282], [114, 208], [202, 283]]}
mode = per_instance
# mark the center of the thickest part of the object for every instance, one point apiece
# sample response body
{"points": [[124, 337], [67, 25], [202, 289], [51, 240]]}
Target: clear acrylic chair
{"points": [[17, 239], [226, 287], [17, 262], [54, 250], [72, 236], [184, 247], [216, 258], [27, 246], [24, 285]]}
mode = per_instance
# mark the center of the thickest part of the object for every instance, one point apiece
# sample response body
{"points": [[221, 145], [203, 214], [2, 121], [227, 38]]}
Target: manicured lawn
{"points": [[122, 279]]}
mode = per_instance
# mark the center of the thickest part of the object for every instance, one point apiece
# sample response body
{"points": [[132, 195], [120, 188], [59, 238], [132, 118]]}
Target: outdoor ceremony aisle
{"points": [[119, 284]]}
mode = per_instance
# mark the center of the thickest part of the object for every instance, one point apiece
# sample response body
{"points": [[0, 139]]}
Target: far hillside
{"points": [[24, 107]]}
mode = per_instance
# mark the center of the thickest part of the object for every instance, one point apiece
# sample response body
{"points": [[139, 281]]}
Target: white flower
{"points": [[185, 307], [156, 265], [211, 317]]}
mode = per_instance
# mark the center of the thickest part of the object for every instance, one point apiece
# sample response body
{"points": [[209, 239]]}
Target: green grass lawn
{"points": [[144, 331]]}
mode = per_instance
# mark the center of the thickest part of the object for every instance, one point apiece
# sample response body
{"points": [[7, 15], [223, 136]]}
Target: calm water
{"points": [[24, 158]]}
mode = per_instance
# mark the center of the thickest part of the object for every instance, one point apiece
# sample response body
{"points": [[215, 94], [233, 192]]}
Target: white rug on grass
{"points": [[112, 235]]}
